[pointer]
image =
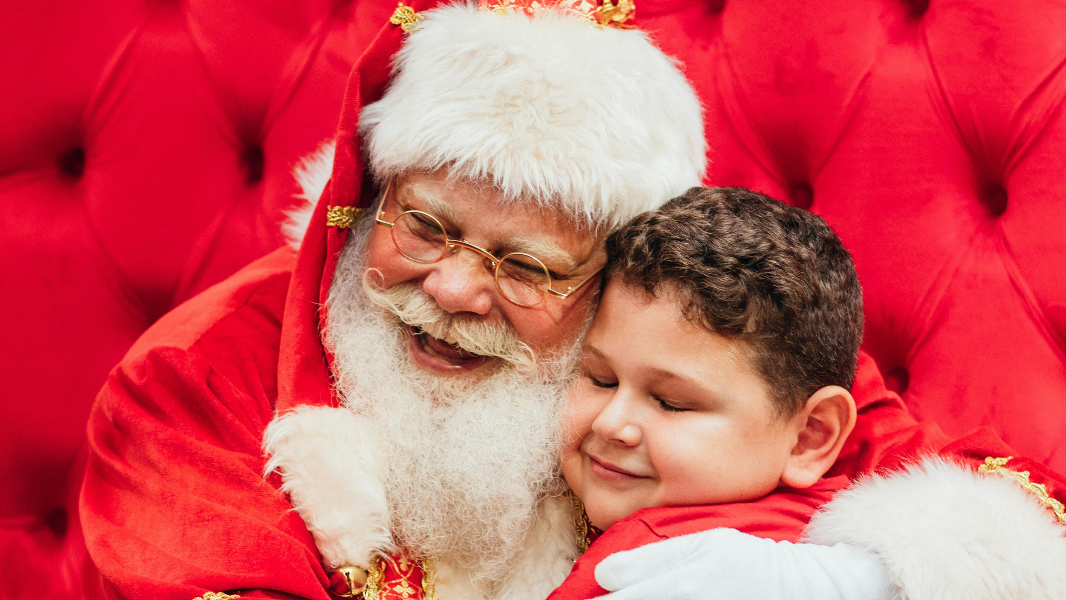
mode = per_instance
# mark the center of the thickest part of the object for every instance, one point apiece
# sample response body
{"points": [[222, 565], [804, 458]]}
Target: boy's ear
{"points": [[822, 426]]}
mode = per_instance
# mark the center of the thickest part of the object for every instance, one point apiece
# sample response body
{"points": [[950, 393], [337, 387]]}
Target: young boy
{"points": [[716, 372]]}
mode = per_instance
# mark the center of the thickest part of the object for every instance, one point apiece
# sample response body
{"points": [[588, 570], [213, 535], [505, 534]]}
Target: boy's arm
{"points": [[725, 564], [937, 530]]}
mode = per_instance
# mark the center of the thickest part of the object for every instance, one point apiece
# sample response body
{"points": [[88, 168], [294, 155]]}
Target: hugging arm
{"points": [[725, 564], [939, 529]]}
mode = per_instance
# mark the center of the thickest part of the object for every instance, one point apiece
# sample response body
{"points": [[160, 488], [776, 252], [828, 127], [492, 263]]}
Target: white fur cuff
{"points": [[330, 472], [946, 532]]}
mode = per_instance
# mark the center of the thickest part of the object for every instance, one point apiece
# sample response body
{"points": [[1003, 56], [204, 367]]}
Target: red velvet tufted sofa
{"points": [[146, 145]]}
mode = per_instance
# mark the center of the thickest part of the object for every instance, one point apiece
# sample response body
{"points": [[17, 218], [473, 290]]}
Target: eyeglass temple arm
{"points": [[575, 288], [381, 208]]}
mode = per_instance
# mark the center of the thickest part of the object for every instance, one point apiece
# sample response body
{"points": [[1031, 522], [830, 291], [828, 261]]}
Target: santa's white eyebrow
{"points": [[552, 256], [432, 204]]}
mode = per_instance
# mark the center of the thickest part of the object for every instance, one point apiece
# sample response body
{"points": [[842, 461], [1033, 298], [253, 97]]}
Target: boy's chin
{"points": [[602, 516]]}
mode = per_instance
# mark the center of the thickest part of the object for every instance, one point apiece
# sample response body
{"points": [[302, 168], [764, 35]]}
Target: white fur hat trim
{"points": [[597, 122]]}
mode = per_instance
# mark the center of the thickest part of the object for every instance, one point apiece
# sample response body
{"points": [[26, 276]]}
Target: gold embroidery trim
{"points": [[378, 589], [217, 596], [405, 17], [610, 13], [343, 216], [998, 466]]}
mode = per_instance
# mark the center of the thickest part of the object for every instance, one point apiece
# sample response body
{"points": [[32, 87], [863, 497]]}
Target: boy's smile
{"points": [[666, 413], [609, 471]]}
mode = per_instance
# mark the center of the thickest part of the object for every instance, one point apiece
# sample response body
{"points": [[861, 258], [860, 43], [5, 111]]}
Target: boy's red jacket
{"points": [[779, 516]]}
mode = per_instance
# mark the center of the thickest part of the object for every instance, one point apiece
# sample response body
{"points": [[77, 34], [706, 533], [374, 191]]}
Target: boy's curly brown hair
{"points": [[753, 269]]}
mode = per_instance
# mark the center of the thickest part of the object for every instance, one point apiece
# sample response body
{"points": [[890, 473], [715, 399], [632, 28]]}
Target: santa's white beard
{"points": [[465, 461]]}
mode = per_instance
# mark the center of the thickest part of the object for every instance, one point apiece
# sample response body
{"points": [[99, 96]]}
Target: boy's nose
{"points": [[615, 422]]}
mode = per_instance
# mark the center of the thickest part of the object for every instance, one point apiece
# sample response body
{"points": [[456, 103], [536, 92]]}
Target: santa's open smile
{"points": [[437, 355]]}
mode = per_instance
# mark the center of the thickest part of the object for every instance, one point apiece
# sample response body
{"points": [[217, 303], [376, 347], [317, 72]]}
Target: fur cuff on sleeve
{"points": [[946, 532], [325, 457]]}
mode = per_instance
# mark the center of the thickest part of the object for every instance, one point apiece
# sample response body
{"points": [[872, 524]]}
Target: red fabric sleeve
{"points": [[174, 503]]}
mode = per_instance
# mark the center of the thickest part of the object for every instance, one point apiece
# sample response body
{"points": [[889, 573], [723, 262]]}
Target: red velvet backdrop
{"points": [[145, 150]]}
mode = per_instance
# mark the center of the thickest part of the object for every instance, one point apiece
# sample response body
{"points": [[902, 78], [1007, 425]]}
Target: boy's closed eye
{"points": [[669, 406], [608, 382], [601, 382]]}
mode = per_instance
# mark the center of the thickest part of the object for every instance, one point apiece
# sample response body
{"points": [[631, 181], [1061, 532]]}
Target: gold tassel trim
{"points": [[343, 216], [405, 17]]}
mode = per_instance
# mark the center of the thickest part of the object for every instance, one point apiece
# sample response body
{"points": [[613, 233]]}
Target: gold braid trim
{"points": [[429, 580], [217, 596], [582, 526], [998, 466], [343, 216], [374, 576], [405, 17]]}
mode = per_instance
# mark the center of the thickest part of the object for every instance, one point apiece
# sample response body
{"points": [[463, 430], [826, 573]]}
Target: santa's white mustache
{"points": [[414, 307]]}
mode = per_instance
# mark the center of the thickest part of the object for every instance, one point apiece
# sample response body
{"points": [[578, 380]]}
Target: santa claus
{"points": [[405, 369]]}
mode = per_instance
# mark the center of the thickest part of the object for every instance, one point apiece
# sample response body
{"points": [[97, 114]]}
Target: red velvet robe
{"points": [[174, 503]]}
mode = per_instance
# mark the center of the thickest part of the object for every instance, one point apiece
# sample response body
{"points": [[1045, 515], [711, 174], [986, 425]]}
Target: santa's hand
{"points": [[725, 564]]}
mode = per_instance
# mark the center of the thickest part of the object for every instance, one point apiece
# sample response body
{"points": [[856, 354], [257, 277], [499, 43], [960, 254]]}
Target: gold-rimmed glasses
{"points": [[522, 278]]}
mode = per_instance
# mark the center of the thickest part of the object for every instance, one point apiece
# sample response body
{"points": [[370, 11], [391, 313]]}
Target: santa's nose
{"points": [[460, 283]]}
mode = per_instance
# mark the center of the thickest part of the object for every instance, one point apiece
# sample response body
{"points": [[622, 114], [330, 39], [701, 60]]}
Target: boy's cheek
{"points": [[581, 411], [572, 471], [574, 432]]}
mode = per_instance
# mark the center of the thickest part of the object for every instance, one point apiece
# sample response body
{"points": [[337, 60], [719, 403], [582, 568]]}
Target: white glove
{"points": [[725, 564]]}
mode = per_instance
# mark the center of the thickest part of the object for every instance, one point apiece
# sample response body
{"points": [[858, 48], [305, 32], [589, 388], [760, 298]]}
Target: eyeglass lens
{"points": [[522, 278], [419, 237]]}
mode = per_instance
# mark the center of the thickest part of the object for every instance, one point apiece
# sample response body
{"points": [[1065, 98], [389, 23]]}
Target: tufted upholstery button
{"points": [[898, 380], [58, 521], [802, 195], [995, 199], [716, 6], [72, 163], [252, 161], [917, 8]]}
